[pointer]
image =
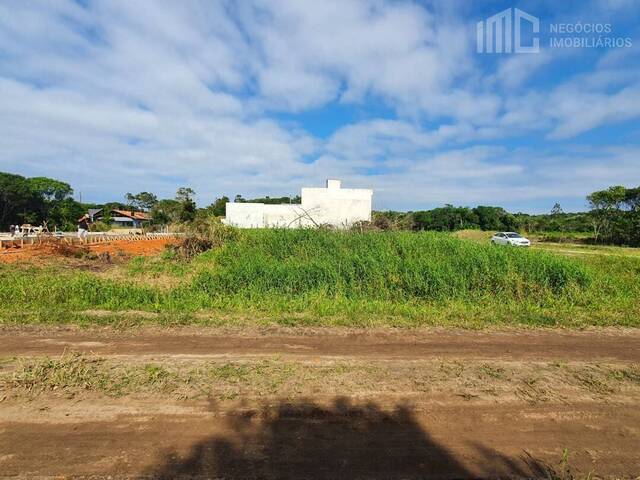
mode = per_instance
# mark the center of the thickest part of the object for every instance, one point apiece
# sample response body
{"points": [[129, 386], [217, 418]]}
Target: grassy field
{"points": [[565, 247], [310, 277]]}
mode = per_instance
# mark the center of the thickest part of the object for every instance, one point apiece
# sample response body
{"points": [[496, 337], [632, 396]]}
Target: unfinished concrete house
{"points": [[332, 205]]}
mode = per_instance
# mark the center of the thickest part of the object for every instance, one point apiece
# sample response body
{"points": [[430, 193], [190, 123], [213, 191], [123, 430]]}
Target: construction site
{"points": [[14, 249]]}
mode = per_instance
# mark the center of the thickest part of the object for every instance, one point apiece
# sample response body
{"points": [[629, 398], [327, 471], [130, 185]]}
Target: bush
{"points": [[203, 235], [100, 226]]}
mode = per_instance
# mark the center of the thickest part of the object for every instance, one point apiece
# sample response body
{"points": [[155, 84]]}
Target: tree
{"points": [[557, 209], [50, 189], [18, 201], [35, 200], [184, 196], [144, 201], [632, 199], [166, 211], [615, 214], [632, 202], [52, 193], [219, 207], [64, 214], [490, 218], [272, 200], [605, 204]]}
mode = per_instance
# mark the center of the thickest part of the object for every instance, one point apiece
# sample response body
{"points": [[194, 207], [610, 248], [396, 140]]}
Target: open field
{"points": [[330, 278], [541, 241]]}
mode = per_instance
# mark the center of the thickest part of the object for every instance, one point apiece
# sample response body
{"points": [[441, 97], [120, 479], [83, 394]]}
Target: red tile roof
{"points": [[134, 215]]}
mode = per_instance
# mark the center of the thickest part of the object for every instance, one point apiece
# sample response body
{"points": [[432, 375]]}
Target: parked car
{"points": [[510, 238]]}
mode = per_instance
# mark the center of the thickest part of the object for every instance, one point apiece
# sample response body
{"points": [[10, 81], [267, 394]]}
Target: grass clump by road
{"points": [[318, 277]]}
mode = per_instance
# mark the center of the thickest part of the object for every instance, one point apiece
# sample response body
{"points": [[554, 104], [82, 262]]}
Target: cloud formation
{"points": [[117, 96]]}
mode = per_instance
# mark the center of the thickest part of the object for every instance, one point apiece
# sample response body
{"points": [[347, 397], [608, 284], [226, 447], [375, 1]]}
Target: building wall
{"points": [[340, 207], [331, 205], [283, 216], [245, 215]]}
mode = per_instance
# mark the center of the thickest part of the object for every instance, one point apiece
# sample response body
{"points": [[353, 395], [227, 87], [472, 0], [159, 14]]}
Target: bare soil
{"points": [[34, 253], [534, 344], [327, 404]]}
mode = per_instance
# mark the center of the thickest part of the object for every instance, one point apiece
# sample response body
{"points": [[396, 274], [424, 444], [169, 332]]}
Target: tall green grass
{"points": [[382, 266], [326, 277]]}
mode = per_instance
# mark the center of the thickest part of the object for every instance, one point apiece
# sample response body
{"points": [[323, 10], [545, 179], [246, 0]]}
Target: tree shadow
{"points": [[306, 440]]}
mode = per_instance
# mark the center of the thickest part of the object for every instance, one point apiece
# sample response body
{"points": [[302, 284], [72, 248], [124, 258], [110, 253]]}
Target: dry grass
{"points": [[474, 235], [533, 383]]}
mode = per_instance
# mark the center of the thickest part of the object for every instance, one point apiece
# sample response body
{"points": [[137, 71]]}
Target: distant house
{"points": [[120, 218]]}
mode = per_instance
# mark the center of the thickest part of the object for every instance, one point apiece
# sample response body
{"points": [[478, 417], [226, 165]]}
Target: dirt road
{"points": [[597, 344], [200, 403]]}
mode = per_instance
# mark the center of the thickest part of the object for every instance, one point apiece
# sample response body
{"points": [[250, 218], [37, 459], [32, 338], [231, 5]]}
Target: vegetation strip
{"points": [[317, 277], [532, 382]]}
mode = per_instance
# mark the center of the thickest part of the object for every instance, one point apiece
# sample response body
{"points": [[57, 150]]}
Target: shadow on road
{"points": [[343, 440]]}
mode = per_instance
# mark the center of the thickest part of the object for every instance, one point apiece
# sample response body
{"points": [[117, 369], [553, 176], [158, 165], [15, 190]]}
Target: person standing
{"points": [[83, 227]]}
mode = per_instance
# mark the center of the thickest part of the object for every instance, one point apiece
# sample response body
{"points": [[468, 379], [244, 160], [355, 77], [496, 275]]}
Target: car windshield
{"points": [[513, 235]]}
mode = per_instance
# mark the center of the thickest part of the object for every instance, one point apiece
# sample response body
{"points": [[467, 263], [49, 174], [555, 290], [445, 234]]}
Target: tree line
{"points": [[36, 200], [40, 200], [614, 215], [450, 218], [613, 218]]}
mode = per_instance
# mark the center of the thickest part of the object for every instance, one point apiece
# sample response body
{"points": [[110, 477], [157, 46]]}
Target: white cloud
{"points": [[386, 137], [579, 112], [517, 69], [150, 95]]}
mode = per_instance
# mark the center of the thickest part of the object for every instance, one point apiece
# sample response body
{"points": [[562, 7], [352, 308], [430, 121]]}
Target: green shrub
{"points": [[100, 226]]}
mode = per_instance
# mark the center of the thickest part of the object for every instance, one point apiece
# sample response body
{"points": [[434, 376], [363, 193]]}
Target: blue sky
{"points": [[264, 97]]}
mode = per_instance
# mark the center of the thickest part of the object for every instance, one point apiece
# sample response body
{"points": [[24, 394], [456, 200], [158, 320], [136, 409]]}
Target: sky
{"points": [[259, 97]]}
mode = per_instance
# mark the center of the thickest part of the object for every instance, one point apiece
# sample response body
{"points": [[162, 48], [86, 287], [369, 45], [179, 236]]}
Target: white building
{"points": [[332, 205]]}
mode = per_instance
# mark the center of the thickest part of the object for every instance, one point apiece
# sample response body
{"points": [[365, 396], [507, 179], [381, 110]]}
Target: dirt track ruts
{"points": [[591, 345]]}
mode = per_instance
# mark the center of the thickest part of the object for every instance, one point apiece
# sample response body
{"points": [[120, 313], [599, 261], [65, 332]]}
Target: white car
{"points": [[510, 238]]}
